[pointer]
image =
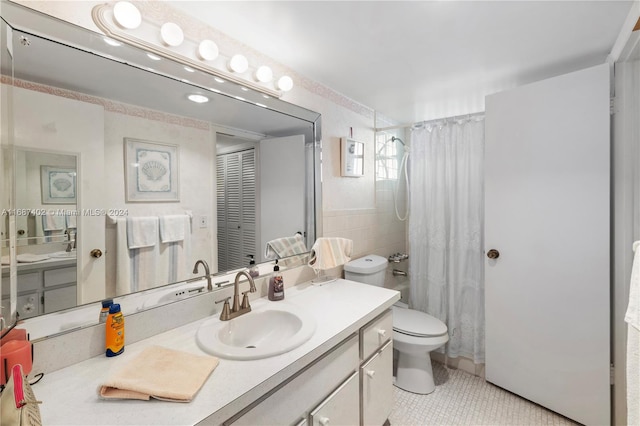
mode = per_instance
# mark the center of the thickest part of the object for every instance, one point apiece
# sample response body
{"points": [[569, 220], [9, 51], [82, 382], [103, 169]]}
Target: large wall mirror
{"points": [[97, 140]]}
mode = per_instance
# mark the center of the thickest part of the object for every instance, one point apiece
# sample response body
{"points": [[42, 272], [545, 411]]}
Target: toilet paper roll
{"points": [[14, 352]]}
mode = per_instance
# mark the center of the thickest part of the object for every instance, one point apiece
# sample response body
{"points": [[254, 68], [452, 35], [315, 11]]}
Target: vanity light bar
{"points": [[196, 55]]}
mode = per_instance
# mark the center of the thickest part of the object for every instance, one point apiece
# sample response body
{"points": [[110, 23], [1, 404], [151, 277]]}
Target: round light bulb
{"points": [[208, 50], [285, 83], [171, 34], [127, 15], [264, 74], [238, 63]]}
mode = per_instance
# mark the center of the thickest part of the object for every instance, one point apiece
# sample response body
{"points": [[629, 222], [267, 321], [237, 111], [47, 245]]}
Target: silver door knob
{"points": [[96, 253], [493, 254]]}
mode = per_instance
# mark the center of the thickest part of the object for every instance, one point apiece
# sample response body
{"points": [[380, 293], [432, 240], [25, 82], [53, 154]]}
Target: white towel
{"points": [[142, 232], [53, 222], [175, 257], [632, 317], [285, 246], [327, 253], [136, 269], [71, 221], [173, 228]]}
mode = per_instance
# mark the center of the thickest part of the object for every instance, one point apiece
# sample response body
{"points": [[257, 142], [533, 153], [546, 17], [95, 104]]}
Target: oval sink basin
{"points": [[173, 295], [269, 331], [63, 255]]}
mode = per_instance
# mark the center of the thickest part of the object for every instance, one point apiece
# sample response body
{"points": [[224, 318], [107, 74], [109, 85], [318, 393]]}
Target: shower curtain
{"points": [[446, 231]]}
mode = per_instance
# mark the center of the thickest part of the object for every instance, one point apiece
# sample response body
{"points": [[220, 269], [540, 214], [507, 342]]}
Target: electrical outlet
{"points": [[203, 222]]}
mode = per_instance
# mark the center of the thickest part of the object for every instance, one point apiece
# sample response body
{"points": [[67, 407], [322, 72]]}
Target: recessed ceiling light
{"points": [[189, 69], [184, 80], [112, 42], [199, 99], [218, 79], [244, 88], [153, 57], [265, 96]]}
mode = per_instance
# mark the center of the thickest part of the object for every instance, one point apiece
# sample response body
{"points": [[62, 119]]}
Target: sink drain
{"points": [[250, 347]]}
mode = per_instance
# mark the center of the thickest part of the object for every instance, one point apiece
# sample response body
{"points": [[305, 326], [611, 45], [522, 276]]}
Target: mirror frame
{"points": [[24, 19]]}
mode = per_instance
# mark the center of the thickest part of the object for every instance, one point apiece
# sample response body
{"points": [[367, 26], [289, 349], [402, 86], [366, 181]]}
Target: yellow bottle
{"points": [[114, 333]]}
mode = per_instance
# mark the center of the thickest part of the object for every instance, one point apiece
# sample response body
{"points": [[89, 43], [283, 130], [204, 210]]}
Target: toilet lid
{"points": [[416, 323]]}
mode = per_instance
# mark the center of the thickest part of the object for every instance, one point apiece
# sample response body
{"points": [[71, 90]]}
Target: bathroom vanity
{"points": [[341, 375], [43, 287]]}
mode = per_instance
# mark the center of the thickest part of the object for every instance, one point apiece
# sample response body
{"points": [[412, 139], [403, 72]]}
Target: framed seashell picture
{"points": [[58, 185], [151, 171]]}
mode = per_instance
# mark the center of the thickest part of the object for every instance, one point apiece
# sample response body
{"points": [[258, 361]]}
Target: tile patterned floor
{"points": [[461, 398]]}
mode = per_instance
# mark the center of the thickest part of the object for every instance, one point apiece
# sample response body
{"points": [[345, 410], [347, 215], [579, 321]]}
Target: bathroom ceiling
{"points": [[419, 60]]}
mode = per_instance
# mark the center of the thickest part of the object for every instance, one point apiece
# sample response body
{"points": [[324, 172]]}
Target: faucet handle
{"points": [[225, 315], [245, 300]]}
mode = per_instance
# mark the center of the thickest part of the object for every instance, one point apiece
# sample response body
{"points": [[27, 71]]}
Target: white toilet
{"points": [[415, 333]]}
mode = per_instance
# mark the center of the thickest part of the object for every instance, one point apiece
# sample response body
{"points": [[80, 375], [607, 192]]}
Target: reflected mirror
{"points": [[126, 181]]}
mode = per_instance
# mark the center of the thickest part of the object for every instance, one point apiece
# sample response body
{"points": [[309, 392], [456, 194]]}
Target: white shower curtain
{"points": [[446, 230]]}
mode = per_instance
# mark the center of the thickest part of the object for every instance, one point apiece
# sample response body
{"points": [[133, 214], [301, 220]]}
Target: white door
{"points": [[547, 214], [54, 123]]}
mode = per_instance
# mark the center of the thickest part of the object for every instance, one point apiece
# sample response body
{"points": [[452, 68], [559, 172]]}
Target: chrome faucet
{"points": [[237, 309], [206, 271]]}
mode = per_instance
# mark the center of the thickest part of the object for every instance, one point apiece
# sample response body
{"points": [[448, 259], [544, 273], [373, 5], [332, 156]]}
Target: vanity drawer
{"points": [[339, 407], [60, 276], [26, 282], [375, 334], [294, 400]]}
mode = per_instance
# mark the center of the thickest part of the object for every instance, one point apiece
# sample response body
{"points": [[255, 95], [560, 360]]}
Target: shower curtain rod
{"points": [[435, 120]]}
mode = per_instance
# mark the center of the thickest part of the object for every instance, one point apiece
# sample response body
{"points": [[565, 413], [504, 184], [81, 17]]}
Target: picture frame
{"points": [[58, 185], [352, 157], [151, 171]]}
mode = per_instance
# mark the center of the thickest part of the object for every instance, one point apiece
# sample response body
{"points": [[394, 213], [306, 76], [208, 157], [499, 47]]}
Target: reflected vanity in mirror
{"points": [[98, 133]]}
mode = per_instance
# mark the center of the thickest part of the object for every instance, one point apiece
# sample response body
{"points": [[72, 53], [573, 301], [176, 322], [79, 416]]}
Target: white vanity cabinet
{"points": [[376, 370], [293, 401], [352, 384], [43, 288]]}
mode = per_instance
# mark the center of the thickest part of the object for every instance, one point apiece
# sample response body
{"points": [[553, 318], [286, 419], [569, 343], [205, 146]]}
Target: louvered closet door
{"points": [[236, 209]]}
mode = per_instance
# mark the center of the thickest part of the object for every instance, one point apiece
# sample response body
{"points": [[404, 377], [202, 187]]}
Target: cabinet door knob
{"points": [[382, 333], [324, 421], [371, 373], [96, 253]]}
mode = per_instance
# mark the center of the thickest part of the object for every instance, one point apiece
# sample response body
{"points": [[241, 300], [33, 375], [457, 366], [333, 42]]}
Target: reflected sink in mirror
{"points": [[63, 255], [162, 297], [268, 331]]}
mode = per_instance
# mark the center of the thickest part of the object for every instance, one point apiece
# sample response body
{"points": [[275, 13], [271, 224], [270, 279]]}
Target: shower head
{"points": [[393, 139]]}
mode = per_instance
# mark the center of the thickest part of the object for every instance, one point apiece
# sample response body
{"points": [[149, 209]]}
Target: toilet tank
{"points": [[370, 269]]}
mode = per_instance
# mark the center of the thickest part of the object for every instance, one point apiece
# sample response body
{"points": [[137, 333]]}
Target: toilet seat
{"points": [[416, 323]]}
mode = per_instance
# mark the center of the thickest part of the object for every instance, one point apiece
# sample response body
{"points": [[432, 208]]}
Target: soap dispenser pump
{"points": [[276, 284], [253, 268]]}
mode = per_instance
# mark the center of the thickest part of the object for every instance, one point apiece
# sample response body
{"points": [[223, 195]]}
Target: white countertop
{"points": [[70, 396]]}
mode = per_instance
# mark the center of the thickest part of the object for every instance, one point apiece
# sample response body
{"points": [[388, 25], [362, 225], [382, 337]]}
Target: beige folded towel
{"points": [[327, 253], [160, 373]]}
